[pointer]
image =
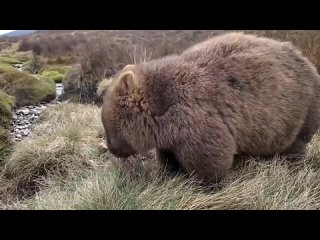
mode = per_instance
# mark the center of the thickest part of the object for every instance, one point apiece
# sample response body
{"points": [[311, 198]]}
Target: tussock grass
{"points": [[61, 166], [62, 141]]}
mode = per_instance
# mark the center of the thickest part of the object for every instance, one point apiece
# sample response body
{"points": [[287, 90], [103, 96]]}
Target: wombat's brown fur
{"points": [[234, 94]]}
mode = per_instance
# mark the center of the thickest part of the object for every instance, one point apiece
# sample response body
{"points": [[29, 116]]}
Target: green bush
{"points": [[27, 89]]}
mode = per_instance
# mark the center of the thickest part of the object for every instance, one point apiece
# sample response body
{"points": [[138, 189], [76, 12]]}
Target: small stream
{"points": [[18, 66], [59, 89]]}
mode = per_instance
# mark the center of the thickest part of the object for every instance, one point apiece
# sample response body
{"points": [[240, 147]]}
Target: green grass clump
{"points": [[6, 104], [6, 66], [9, 60], [6, 62], [27, 89], [54, 75], [6, 100]]}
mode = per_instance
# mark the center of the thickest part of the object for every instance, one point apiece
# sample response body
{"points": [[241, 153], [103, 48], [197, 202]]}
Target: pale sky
{"points": [[5, 31]]}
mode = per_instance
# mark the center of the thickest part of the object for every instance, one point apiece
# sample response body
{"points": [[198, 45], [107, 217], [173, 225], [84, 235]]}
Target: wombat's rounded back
{"points": [[263, 89]]}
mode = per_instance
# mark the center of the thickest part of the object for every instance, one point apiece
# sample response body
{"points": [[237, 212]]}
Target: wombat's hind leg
{"points": [[167, 160], [298, 148]]}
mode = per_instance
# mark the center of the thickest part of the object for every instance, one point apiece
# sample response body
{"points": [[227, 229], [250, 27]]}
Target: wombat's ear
{"points": [[126, 83], [128, 66]]}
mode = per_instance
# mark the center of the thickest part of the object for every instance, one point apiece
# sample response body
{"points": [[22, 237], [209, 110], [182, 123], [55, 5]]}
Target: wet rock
{"points": [[35, 111], [25, 111], [25, 133]]}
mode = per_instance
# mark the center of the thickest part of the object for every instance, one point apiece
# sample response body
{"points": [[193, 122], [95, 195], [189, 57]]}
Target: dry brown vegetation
{"points": [[50, 45]]}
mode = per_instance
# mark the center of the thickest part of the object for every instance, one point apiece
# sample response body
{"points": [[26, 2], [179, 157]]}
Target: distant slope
{"points": [[18, 33]]}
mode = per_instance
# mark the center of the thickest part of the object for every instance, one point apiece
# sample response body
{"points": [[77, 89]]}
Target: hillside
{"points": [[18, 33]]}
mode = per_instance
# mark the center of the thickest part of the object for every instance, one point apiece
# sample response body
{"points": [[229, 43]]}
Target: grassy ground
{"points": [[61, 166]]}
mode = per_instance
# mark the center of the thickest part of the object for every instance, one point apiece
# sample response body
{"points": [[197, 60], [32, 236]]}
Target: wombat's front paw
{"points": [[103, 147]]}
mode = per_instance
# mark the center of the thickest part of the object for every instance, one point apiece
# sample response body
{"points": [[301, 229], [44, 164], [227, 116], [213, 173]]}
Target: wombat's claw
{"points": [[103, 146]]}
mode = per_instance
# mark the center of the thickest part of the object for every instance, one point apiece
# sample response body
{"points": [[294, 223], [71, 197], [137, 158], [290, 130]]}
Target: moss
{"points": [[62, 69], [27, 89], [56, 72], [54, 75]]}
